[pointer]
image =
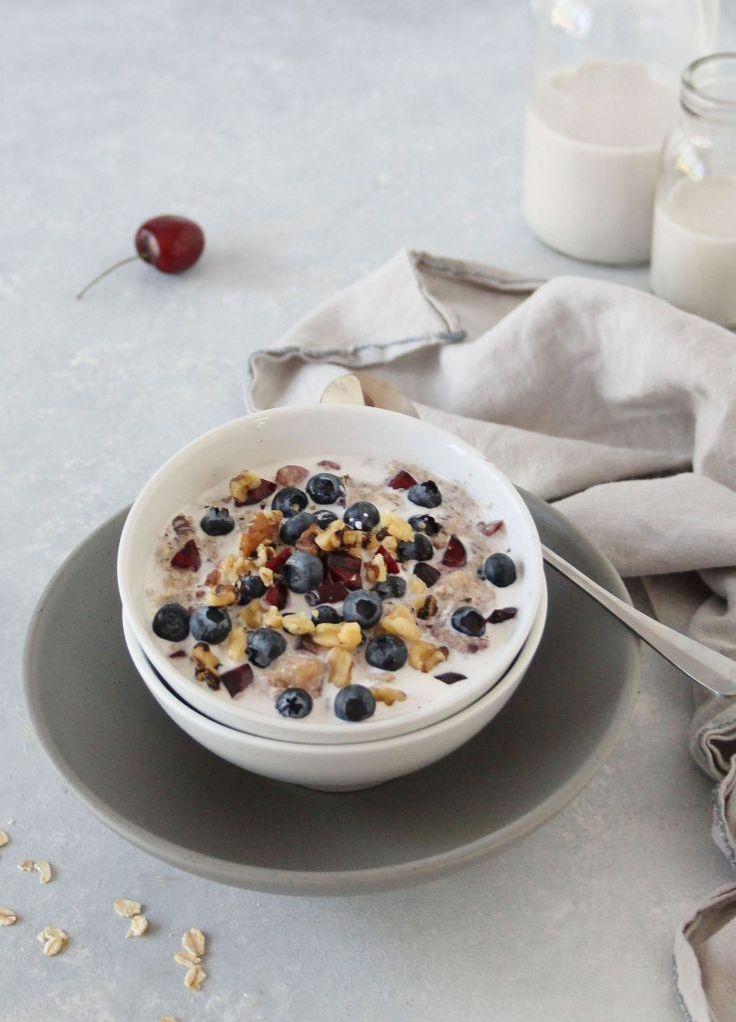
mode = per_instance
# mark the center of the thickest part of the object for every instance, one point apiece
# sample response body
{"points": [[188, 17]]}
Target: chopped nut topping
{"points": [[230, 569], [390, 543], [416, 586], [347, 635], [138, 926], [264, 553], [236, 643], [242, 484], [7, 916], [3, 839], [308, 539], [330, 538], [127, 909], [352, 537], [298, 670], [423, 656], [263, 528], [205, 665], [428, 609], [389, 696], [222, 596], [252, 615], [194, 978], [298, 624], [340, 666], [397, 527], [400, 622], [272, 618], [266, 576], [194, 941], [375, 570]]}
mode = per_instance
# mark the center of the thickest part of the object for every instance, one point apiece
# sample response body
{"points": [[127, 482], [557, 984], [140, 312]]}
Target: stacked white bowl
{"points": [[333, 755]]}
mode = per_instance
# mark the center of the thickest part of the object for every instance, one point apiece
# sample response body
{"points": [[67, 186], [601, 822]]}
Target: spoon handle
{"points": [[704, 665]]}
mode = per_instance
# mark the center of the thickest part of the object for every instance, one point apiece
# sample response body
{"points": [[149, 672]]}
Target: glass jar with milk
{"points": [[694, 240], [603, 96]]}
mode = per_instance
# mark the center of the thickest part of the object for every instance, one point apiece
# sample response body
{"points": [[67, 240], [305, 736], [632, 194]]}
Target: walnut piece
{"points": [[423, 656], [331, 537], [400, 622], [389, 696], [375, 570], [263, 528], [298, 624], [242, 484], [347, 635], [205, 665], [266, 576], [298, 671], [340, 666], [397, 527], [236, 643], [222, 596], [252, 615], [308, 539], [272, 618]]}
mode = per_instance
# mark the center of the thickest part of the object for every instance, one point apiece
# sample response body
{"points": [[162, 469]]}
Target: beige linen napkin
{"points": [[606, 401]]}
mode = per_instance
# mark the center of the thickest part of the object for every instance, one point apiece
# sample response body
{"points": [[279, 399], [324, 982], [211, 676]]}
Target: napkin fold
{"points": [[608, 402]]}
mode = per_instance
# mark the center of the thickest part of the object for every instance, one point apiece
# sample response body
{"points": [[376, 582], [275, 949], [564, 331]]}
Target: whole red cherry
{"points": [[171, 244]]}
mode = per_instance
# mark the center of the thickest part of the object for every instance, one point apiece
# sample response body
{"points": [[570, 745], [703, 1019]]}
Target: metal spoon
{"points": [[701, 663]]}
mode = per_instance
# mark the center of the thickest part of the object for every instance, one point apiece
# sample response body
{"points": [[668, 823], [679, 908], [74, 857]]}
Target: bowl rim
{"points": [[323, 732]]}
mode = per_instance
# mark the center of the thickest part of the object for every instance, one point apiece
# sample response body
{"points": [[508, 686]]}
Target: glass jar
{"points": [[603, 96], [694, 239]]}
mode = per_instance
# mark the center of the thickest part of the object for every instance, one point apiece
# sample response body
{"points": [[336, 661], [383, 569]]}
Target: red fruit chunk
{"points": [[454, 555], [187, 558], [177, 653], [257, 493], [276, 595], [502, 614], [291, 475], [275, 562], [238, 679], [344, 568], [391, 565], [308, 645], [450, 677], [328, 592], [170, 243], [401, 481], [488, 528], [427, 573], [329, 464]]}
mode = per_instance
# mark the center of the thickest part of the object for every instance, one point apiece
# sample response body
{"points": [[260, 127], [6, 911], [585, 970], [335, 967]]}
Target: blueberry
{"points": [[292, 528], [171, 622], [386, 652], [363, 606], [354, 703], [289, 501], [217, 522], [295, 703], [499, 569], [302, 572], [264, 645], [469, 621], [324, 517], [249, 588], [427, 573], [425, 494], [392, 589], [325, 488], [417, 549], [326, 615], [210, 624], [362, 516], [426, 524]]}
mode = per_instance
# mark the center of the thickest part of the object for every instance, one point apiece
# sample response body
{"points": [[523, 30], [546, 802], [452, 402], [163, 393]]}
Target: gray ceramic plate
{"points": [[130, 764]]}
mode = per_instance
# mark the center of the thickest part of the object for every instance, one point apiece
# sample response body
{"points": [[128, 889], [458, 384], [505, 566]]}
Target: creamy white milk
{"points": [[694, 248], [593, 136]]}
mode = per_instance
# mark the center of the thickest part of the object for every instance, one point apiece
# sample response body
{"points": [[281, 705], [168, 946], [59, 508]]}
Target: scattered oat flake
{"points": [[3, 838], [168, 1018], [43, 868], [194, 942], [26, 865], [195, 977], [54, 940], [186, 958], [7, 916], [126, 908], [138, 926]]}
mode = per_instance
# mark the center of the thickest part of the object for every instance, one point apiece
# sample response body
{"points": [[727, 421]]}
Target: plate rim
{"points": [[334, 882]]}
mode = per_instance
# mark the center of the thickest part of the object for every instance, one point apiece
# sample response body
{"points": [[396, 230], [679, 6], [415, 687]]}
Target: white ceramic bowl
{"points": [[343, 767], [288, 435]]}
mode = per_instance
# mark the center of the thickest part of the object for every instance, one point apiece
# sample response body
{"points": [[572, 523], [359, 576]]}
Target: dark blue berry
{"points": [[425, 494], [392, 589], [417, 549], [216, 521], [210, 624], [302, 572], [171, 622], [468, 621], [249, 587], [499, 569], [324, 517], [427, 573], [362, 516], [426, 524], [326, 615], [289, 501], [325, 488], [294, 703], [354, 703], [386, 652], [292, 528], [364, 606], [264, 645]]}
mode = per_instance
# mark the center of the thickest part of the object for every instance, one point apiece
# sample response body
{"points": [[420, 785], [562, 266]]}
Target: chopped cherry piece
{"points": [[401, 481], [275, 562], [328, 592], [276, 595], [329, 464], [253, 496], [390, 561], [343, 568], [291, 475], [187, 558], [308, 645], [488, 528], [238, 679], [450, 677], [427, 573], [502, 614], [454, 555], [177, 653]]}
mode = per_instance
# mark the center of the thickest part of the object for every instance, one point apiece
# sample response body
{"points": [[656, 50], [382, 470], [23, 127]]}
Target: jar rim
{"points": [[705, 90]]}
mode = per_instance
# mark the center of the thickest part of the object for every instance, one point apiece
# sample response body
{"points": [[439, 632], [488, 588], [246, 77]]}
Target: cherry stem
{"points": [[130, 259]]}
